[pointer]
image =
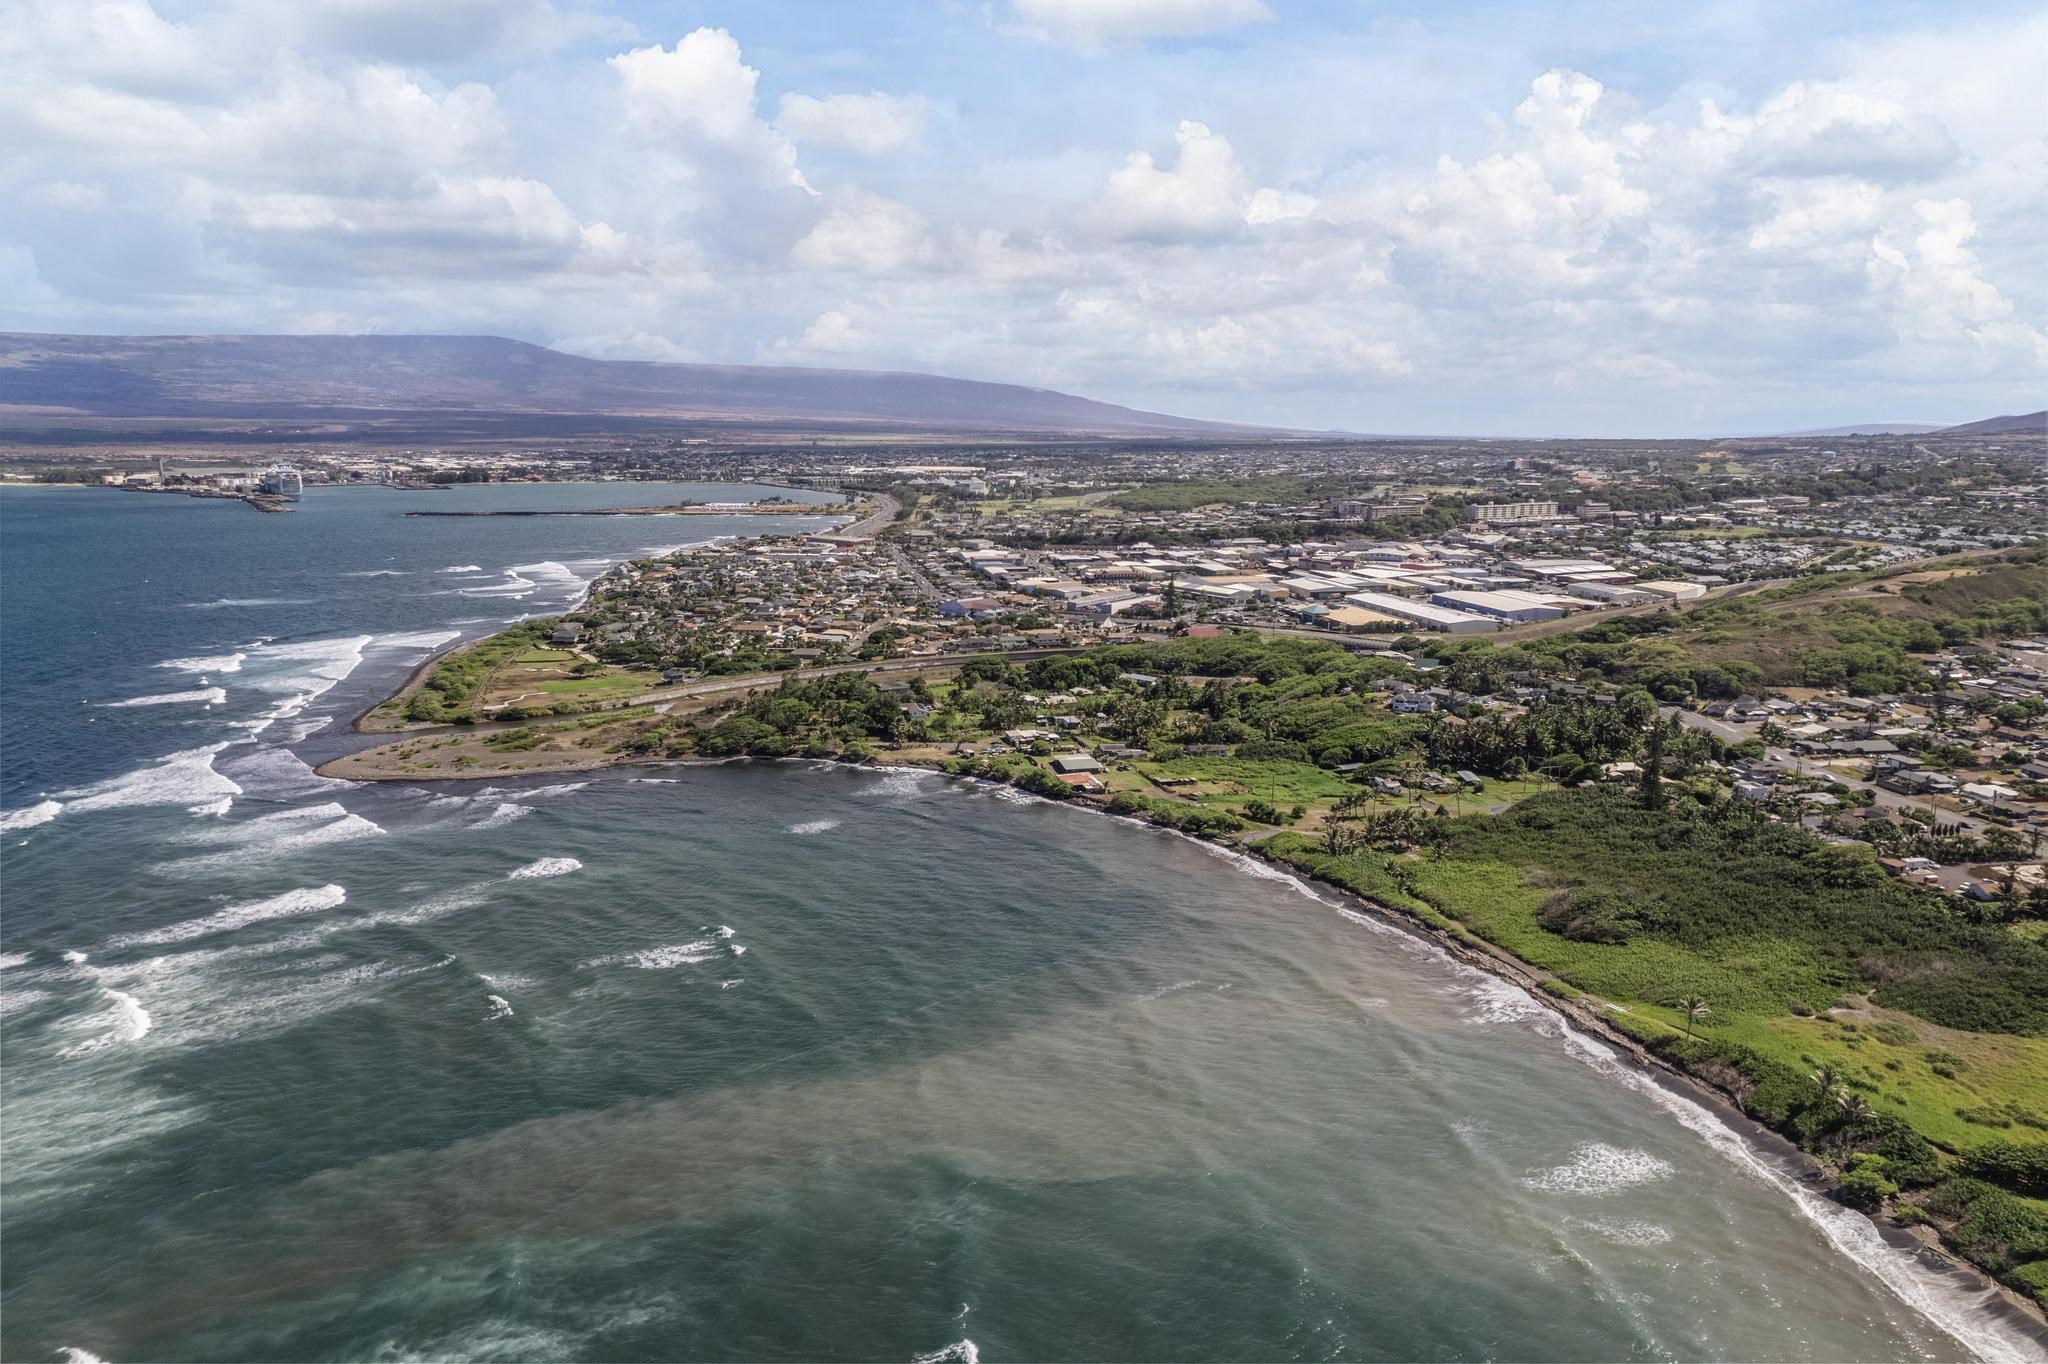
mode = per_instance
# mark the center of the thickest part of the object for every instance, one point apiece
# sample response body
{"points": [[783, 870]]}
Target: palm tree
{"points": [[1828, 1081], [1695, 1009], [1854, 1107]]}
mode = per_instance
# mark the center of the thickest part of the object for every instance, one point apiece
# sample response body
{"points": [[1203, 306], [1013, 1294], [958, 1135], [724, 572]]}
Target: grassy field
{"points": [[1790, 981]]}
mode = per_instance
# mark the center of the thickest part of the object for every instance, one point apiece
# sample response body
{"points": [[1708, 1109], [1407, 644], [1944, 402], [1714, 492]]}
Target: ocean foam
{"points": [[10, 960], [16, 1001], [206, 663], [547, 866], [220, 603], [376, 573], [562, 788], [504, 814], [292, 902], [211, 696], [275, 773], [900, 783], [1623, 1231], [659, 958], [959, 1352], [182, 778], [1264, 871], [283, 834], [42, 812], [1497, 1001], [1958, 1311], [418, 639], [302, 673], [73, 1355], [814, 826], [125, 1021], [500, 1008], [1597, 1168]]}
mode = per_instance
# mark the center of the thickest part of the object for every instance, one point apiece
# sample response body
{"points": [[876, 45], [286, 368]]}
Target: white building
{"points": [[1423, 614], [1509, 513]]}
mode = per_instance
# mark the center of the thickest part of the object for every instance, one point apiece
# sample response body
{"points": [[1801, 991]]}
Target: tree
{"points": [[1865, 1184], [1653, 769], [1695, 1008], [1827, 1083]]}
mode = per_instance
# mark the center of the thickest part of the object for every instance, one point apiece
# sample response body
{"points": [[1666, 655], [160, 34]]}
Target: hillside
{"points": [[287, 377], [2027, 424], [1873, 429]]}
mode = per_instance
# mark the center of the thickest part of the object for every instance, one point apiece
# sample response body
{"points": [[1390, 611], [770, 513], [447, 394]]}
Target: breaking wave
{"points": [[211, 696], [660, 958], [183, 778], [125, 1021], [206, 663], [292, 902], [547, 866], [42, 812]]}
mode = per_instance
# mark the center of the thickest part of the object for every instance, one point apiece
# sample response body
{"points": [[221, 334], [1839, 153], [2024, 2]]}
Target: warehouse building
{"points": [[1675, 591], [1424, 614], [1514, 607]]}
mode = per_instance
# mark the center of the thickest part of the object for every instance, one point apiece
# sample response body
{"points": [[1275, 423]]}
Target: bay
{"points": [[775, 1061]]}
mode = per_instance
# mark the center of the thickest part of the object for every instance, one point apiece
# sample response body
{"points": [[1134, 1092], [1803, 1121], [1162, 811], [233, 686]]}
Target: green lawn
{"points": [[1282, 783], [612, 684]]}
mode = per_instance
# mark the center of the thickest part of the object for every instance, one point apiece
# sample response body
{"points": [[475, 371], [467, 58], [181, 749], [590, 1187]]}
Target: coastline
{"points": [[1773, 1154]]}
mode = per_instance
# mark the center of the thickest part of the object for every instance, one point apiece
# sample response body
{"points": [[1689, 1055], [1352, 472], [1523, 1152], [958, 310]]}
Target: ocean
{"points": [[757, 1060]]}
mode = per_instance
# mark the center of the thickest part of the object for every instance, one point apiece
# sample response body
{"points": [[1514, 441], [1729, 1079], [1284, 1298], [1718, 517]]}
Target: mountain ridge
{"points": [[265, 376], [2024, 424]]}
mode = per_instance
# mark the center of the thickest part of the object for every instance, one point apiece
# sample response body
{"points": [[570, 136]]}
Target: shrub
{"points": [[1864, 1184], [2019, 1166]]}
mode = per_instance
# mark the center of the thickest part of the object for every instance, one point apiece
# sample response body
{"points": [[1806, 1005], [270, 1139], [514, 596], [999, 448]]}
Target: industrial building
{"points": [[1675, 591], [1611, 594], [1517, 607], [1422, 613]]}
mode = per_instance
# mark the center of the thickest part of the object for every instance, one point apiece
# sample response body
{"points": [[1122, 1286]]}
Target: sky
{"points": [[1718, 217]]}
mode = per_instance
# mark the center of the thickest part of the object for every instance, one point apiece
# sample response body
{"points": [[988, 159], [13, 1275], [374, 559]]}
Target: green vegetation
{"points": [[1866, 633], [1790, 972], [451, 691], [1161, 497]]}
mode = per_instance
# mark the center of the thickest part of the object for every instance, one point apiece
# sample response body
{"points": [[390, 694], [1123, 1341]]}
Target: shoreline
{"points": [[1803, 1174]]}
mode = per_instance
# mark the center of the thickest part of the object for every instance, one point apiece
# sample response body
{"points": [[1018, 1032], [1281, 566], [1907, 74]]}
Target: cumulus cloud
{"points": [[700, 91], [1199, 195], [1938, 289], [1092, 25], [1205, 193], [1586, 245], [873, 124], [866, 233]]}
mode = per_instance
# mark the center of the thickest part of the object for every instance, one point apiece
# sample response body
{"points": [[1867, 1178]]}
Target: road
{"points": [[870, 525]]}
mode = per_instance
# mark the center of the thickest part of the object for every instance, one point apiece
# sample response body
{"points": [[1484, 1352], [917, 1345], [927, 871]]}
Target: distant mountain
{"points": [[1872, 429], [273, 378], [2030, 424]]}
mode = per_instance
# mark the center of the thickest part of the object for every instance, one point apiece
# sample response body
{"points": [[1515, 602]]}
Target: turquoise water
{"points": [[756, 1061]]}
